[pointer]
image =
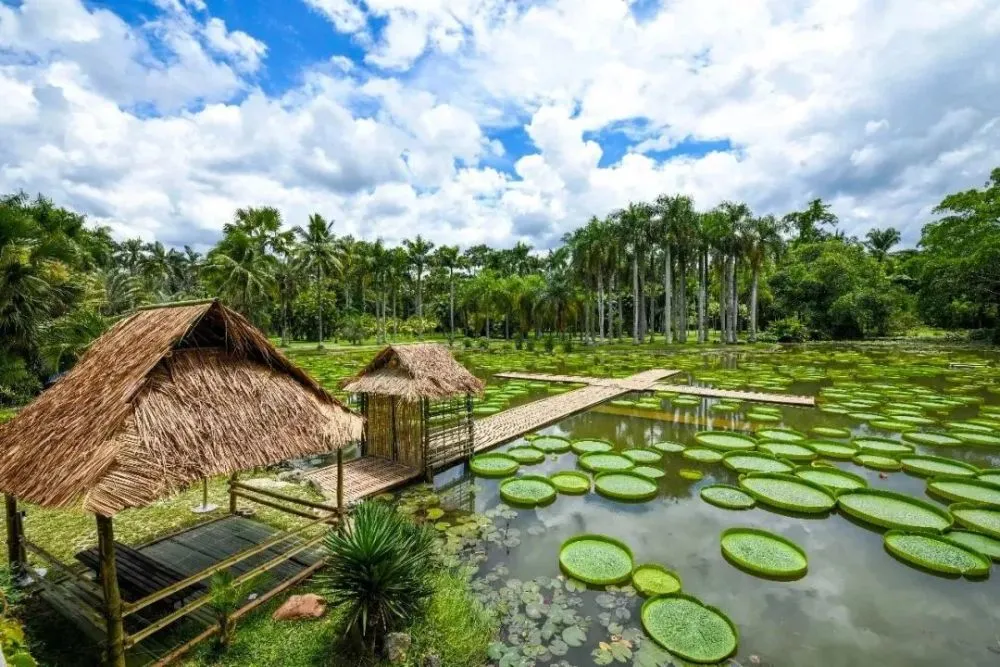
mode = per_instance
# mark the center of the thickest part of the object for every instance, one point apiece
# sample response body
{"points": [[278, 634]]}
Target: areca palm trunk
{"points": [[600, 306], [723, 309], [734, 317], [682, 319], [635, 296], [451, 301], [702, 293], [753, 304], [319, 304], [668, 287]]}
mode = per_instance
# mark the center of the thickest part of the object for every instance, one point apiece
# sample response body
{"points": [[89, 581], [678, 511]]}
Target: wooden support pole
{"points": [[426, 438], [268, 493], [115, 649], [14, 536], [340, 486], [232, 495]]}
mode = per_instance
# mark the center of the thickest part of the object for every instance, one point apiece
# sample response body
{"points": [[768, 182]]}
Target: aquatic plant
{"points": [[668, 447], [889, 509], [755, 462], [642, 455], [960, 489], [725, 441], [793, 451], [728, 497], [605, 462], [832, 450], [596, 559], [832, 478], [590, 446], [653, 579], [689, 628], [764, 553], [552, 444], [625, 486], [878, 462], [702, 454], [984, 544], [984, 520], [494, 465], [931, 466], [936, 553], [571, 482], [528, 490], [526, 454], [788, 492]]}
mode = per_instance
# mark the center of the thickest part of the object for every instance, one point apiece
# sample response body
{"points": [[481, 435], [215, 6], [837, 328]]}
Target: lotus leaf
{"points": [[788, 492], [755, 462], [528, 491], [889, 509], [652, 579], [571, 482], [725, 441], [625, 486], [596, 560], [936, 553], [689, 629], [764, 553], [606, 462], [494, 465], [728, 497]]}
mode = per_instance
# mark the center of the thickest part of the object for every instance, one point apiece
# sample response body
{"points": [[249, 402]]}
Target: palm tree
{"points": [[763, 241], [731, 240], [448, 258], [239, 270], [319, 255], [880, 241], [418, 251], [633, 226]]}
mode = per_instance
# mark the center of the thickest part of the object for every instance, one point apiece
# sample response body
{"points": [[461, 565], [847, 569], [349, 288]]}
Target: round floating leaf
{"points": [[882, 446], [723, 407], [793, 451], [596, 560], [648, 472], [984, 544], [781, 435], [976, 438], [686, 401], [552, 444], [702, 454], [526, 454], [990, 475], [936, 553], [689, 629], [755, 462], [893, 510], [606, 462], [764, 553], [653, 579], [830, 432], [725, 441], [643, 455], [668, 447], [981, 519], [877, 462], [571, 482], [969, 426], [835, 479], [625, 486], [494, 465], [932, 466], [788, 492], [690, 475], [591, 446], [762, 417], [894, 425], [728, 497], [528, 491], [832, 450], [962, 490]]}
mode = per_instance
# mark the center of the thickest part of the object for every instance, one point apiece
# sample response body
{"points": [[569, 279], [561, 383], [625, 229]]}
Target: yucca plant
{"points": [[379, 571], [225, 599]]}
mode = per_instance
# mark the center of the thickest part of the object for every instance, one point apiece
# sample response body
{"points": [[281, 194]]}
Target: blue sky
{"points": [[492, 121]]}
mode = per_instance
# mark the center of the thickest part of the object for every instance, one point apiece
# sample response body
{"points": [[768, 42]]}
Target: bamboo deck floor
{"points": [[755, 396], [363, 477]]}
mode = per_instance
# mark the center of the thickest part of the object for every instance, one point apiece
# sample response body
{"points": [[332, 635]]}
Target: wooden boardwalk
{"points": [[363, 477], [755, 396]]}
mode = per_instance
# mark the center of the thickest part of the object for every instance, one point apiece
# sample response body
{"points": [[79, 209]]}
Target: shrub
{"points": [[567, 345], [226, 599], [483, 343], [12, 641], [788, 330], [467, 343], [530, 344], [518, 341], [380, 571], [550, 343]]}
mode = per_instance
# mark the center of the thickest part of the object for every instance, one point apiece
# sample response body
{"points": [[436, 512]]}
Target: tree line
{"points": [[653, 269]]}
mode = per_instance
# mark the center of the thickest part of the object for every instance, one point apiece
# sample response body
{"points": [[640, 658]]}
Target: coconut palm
{"points": [[239, 270], [880, 241], [318, 255]]}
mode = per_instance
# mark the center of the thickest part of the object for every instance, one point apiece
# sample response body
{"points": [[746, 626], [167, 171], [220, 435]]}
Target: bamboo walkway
{"points": [[363, 477]]}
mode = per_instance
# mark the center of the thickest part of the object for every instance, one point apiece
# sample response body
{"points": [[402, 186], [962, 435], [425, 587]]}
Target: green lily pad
{"points": [[551, 444], [793, 451], [591, 446], [625, 486], [895, 425], [755, 462], [961, 490], [788, 492], [596, 560], [689, 629], [976, 438], [605, 462], [989, 475], [830, 432], [835, 479], [935, 553], [494, 465], [652, 579], [985, 520], [832, 450], [877, 462], [649, 472], [702, 454], [882, 446], [762, 417], [764, 553], [643, 455], [725, 441], [984, 544], [889, 509], [668, 447], [728, 497], [780, 435], [932, 466], [528, 491], [526, 454], [571, 482], [690, 475], [686, 401]]}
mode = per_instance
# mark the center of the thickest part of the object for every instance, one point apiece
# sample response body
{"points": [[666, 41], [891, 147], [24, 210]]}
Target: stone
{"points": [[432, 660], [297, 607], [396, 646]]}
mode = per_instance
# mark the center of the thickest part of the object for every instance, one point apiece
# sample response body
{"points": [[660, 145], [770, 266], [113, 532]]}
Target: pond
{"points": [[856, 605]]}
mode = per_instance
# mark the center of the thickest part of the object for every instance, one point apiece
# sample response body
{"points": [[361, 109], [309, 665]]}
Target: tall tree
{"points": [[448, 258], [763, 241], [809, 223], [419, 251], [319, 256], [880, 241]]}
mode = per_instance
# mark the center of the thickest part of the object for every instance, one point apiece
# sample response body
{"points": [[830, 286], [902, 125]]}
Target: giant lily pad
{"points": [[690, 475], [931, 466], [528, 491], [835, 479], [981, 519], [984, 544], [625, 486], [976, 438], [653, 579], [552, 444], [526, 454], [590, 446], [832, 450], [571, 482], [888, 509], [788, 492], [878, 462], [936, 553], [596, 560], [649, 472], [702, 454], [793, 451], [780, 435], [989, 475], [755, 462], [728, 497], [882, 446], [606, 462], [689, 629], [643, 455], [724, 440], [668, 447], [764, 553], [830, 432], [965, 490], [494, 465]]}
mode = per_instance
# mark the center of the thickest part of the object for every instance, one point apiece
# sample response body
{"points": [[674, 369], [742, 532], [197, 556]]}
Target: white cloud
{"points": [[238, 45]]}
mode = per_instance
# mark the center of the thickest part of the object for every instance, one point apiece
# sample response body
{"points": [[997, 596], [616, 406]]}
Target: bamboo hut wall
{"points": [[394, 430]]}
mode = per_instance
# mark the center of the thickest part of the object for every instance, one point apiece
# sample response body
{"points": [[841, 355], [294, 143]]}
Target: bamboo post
{"points": [[115, 649], [340, 486], [14, 537], [470, 433], [395, 432], [232, 492], [426, 438]]}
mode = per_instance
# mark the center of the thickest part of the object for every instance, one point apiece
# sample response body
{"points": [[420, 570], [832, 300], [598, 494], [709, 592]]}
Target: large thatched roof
{"points": [[412, 372], [166, 397]]}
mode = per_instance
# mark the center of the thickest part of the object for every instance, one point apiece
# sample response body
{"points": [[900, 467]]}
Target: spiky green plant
{"points": [[226, 597], [379, 571]]}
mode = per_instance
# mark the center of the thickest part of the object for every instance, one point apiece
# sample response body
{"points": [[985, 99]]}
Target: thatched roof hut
{"points": [[166, 397], [414, 372]]}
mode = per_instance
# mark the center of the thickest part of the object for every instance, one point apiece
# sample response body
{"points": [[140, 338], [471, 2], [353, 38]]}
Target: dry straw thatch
{"points": [[413, 372], [166, 397]]}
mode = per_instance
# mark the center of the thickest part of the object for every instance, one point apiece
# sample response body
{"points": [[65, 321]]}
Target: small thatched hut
{"points": [[168, 396], [417, 404]]}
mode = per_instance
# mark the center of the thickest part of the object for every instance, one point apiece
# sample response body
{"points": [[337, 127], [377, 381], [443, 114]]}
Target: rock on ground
{"points": [[296, 607]]}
